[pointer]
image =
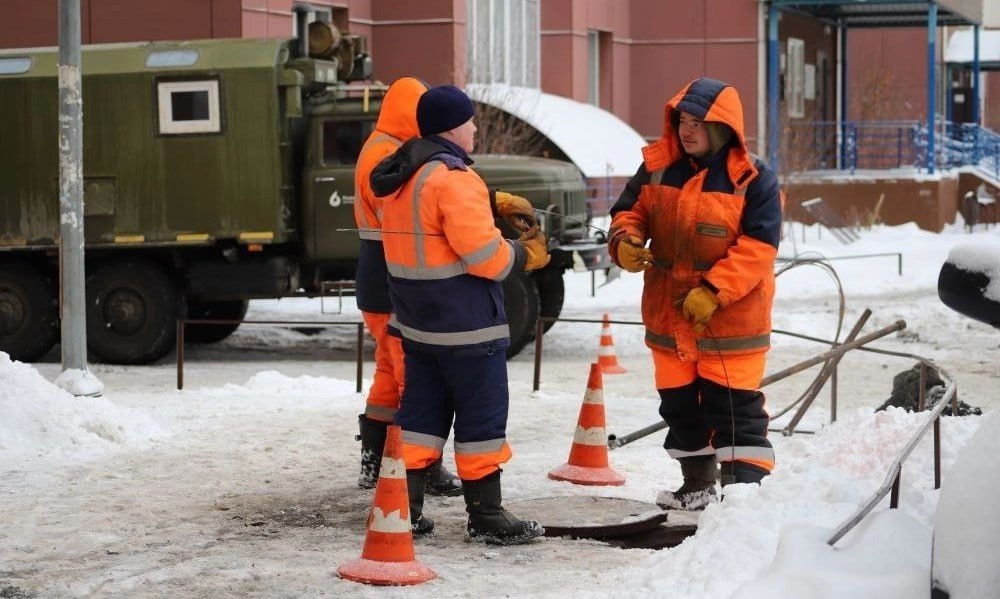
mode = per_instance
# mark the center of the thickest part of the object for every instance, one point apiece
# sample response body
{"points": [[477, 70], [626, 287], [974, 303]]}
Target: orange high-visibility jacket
{"points": [[716, 223], [397, 122], [445, 257]]}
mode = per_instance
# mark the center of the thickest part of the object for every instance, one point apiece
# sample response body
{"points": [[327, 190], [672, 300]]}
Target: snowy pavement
{"points": [[243, 484]]}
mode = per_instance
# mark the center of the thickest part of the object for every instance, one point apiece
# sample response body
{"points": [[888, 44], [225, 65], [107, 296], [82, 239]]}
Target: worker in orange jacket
{"points": [[397, 122], [445, 266], [712, 216]]}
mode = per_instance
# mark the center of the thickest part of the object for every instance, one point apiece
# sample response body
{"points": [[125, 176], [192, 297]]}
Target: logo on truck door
{"points": [[336, 199]]}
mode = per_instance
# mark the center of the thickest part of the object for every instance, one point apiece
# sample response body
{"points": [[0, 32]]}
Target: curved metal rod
{"points": [[897, 464]]}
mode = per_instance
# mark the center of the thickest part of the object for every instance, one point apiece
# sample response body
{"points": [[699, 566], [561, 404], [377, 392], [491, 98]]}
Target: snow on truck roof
{"points": [[597, 141]]}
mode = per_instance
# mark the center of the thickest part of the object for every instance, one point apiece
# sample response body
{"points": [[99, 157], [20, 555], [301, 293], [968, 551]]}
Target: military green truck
{"points": [[215, 172]]}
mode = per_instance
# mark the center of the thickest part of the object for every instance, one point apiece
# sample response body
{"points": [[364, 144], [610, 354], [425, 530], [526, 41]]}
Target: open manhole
{"points": [[625, 523]]}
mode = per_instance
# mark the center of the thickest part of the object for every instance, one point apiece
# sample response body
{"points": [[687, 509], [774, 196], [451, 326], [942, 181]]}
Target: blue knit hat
{"points": [[443, 108]]}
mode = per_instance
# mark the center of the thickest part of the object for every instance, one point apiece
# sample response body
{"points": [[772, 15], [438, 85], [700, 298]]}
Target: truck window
{"points": [[342, 140], [189, 107]]}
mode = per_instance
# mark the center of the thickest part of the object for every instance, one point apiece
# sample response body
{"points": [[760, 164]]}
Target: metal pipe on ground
{"points": [[614, 441]]}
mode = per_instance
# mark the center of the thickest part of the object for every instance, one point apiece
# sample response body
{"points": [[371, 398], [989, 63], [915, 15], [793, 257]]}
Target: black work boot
{"points": [[372, 436], [698, 489], [741, 472], [442, 483], [488, 521], [415, 481]]}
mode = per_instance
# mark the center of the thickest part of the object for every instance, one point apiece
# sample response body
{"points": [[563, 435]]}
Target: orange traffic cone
{"points": [[588, 457], [387, 557], [606, 354]]}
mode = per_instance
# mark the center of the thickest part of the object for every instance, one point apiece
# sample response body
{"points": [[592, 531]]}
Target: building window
{"points": [[594, 68], [189, 107], [503, 41], [795, 78]]}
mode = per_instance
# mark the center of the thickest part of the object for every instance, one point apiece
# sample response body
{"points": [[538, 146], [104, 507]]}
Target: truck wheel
{"points": [[212, 333], [520, 300], [551, 293], [131, 313], [29, 312]]}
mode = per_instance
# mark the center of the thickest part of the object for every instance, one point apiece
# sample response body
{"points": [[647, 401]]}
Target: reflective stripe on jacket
{"points": [[445, 258], [715, 224], [397, 122]]}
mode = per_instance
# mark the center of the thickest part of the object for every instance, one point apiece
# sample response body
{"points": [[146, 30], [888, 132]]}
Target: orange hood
{"points": [[713, 101], [398, 115]]}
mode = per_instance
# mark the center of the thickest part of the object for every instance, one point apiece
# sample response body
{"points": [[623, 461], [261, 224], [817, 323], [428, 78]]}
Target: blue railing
{"points": [[854, 145]]}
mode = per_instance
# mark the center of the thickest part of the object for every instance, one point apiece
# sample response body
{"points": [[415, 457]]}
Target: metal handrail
{"points": [[891, 482], [852, 145], [182, 322]]}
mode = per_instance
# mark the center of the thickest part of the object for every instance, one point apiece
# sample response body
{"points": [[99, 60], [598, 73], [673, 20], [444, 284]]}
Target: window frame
{"points": [[167, 126]]}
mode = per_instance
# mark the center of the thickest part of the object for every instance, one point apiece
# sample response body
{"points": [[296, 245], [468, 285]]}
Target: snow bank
{"points": [[43, 421]]}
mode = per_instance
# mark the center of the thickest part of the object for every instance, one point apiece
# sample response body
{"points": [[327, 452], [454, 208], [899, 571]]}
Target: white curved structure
{"points": [[598, 142]]}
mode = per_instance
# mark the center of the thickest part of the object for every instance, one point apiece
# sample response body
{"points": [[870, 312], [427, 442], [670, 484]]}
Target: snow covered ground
{"points": [[243, 484]]}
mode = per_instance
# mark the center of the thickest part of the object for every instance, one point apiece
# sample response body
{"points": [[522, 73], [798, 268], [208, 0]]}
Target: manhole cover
{"points": [[590, 517], [625, 523]]}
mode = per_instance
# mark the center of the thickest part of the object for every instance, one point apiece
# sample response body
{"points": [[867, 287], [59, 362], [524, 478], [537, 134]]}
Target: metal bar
{"points": [[975, 79], [181, 322], [180, 353], [615, 441], [898, 325], [772, 85], [867, 507], [539, 333], [767, 380], [937, 453], [824, 374], [72, 288], [358, 354], [894, 497], [833, 394], [921, 392], [932, 13]]}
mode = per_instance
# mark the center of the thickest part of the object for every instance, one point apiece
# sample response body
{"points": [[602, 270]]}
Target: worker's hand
{"points": [[537, 248], [699, 305], [632, 255], [516, 210]]}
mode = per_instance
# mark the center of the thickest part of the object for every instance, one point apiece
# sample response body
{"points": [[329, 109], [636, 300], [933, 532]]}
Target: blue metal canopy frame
{"points": [[845, 14]]}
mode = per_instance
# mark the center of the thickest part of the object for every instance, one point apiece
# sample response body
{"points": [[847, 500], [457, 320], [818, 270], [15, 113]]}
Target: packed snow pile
{"points": [[41, 420]]}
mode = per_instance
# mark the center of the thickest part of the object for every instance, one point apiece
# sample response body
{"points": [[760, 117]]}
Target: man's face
{"points": [[464, 136], [693, 135]]}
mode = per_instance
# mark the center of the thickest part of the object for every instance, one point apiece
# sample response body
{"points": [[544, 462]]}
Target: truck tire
{"points": [[212, 333], [29, 312], [551, 293], [131, 313], [520, 300]]}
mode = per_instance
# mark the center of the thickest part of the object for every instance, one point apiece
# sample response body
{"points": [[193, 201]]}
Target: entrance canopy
{"points": [[599, 143], [846, 14], [886, 13]]}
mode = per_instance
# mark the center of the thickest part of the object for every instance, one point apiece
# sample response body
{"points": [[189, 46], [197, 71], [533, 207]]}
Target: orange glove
{"points": [[699, 305], [516, 210], [632, 255], [537, 248]]}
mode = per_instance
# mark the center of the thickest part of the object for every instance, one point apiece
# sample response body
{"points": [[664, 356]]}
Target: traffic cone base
{"points": [[606, 353], [582, 475], [588, 457], [369, 571], [387, 557]]}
